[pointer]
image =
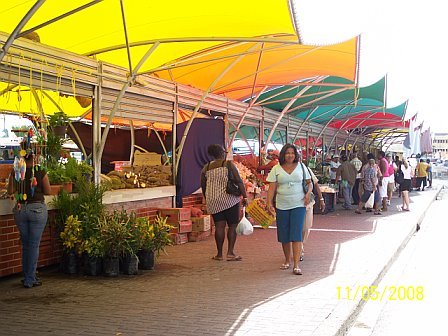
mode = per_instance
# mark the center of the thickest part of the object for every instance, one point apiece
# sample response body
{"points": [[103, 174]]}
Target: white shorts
{"points": [[308, 218], [383, 187]]}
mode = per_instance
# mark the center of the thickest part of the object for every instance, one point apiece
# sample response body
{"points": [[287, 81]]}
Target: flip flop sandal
{"points": [[217, 258], [297, 271], [234, 258], [285, 266]]}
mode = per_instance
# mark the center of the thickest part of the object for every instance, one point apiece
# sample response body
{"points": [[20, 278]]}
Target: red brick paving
{"points": [[190, 294]]}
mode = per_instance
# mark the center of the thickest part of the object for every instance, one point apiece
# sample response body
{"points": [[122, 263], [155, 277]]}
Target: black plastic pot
{"points": [[93, 265], [146, 259], [129, 264], [70, 263], [111, 266]]}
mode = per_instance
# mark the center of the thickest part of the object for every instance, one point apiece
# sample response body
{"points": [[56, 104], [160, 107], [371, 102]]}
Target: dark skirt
{"points": [[406, 185]]}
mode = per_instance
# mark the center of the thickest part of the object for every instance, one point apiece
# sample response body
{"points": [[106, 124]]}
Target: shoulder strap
{"points": [[303, 178]]}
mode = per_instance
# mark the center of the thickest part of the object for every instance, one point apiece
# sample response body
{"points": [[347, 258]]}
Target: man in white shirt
{"points": [[334, 165]]}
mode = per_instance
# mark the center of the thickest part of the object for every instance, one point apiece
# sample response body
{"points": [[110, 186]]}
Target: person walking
{"points": [[429, 172], [224, 207], [370, 185], [30, 212], [391, 169], [287, 182], [421, 173], [355, 161], [310, 211], [383, 179], [346, 173], [405, 186]]}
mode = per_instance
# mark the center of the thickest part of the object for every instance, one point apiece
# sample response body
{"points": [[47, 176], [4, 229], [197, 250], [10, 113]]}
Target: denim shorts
{"points": [[290, 224]]}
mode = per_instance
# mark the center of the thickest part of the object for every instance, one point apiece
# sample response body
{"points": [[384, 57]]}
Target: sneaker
{"points": [[388, 202]]}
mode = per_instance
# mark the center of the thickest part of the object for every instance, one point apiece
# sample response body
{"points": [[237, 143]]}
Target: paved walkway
{"points": [[190, 294]]}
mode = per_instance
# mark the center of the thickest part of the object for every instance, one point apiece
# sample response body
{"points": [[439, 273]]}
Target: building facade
{"points": [[440, 145]]}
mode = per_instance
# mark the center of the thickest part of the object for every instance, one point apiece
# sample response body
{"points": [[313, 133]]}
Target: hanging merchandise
{"points": [[20, 170]]}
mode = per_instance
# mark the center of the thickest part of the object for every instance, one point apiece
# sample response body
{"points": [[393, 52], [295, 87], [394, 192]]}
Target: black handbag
{"points": [[399, 178], [232, 187], [312, 195]]}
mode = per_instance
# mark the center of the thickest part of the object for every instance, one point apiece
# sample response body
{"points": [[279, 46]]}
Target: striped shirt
{"points": [[215, 194]]}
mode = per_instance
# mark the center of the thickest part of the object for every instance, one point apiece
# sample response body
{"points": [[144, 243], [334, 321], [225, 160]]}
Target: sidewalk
{"points": [[190, 294]]}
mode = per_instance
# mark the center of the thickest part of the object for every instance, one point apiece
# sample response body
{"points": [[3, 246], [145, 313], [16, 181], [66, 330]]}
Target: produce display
{"points": [[327, 189], [250, 180], [140, 177]]}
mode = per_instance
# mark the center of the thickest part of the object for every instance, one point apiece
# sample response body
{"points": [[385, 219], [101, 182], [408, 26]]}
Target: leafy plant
{"points": [[161, 234], [57, 174], [145, 233], [58, 119], [72, 234], [115, 234], [78, 171], [94, 245]]}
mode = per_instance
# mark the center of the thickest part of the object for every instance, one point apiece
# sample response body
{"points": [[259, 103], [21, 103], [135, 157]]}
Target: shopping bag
{"points": [[244, 227], [370, 201]]}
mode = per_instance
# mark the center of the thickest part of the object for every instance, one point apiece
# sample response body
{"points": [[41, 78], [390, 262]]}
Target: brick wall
{"points": [[11, 250], [50, 247]]}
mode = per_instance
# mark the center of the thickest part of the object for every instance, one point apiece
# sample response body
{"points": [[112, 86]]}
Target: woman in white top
{"points": [[286, 183], [405, 186]]}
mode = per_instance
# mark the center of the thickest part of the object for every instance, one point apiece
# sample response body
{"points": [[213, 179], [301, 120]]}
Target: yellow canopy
{"points": [[99, 27], [23, 99], [250, 66]]}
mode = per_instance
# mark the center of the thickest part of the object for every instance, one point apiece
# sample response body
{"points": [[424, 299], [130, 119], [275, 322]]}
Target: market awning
{"points": [[241, 70], [22, 99], [108, 29], [332, 90], [376, 118]]}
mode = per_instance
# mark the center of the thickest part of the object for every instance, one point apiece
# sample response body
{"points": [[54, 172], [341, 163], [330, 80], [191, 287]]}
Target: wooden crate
{"points": [[147, 159], [202, 223], [198, 236], [175, 215], [179, 238]]}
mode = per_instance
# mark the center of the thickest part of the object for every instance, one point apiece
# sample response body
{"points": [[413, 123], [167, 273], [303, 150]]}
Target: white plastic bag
{"points": [[244, 227], [370, 201]]}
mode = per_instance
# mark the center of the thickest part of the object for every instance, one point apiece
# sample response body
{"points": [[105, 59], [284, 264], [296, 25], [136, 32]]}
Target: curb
{"points": [[346, 325]]}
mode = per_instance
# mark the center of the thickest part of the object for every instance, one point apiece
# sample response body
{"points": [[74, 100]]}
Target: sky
{"points": [[404, 39]]}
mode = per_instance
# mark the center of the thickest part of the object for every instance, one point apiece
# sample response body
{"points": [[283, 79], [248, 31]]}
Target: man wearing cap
{"points": [[334, 165]]}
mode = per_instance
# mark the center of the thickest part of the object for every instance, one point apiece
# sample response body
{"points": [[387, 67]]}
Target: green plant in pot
{"points": [[58, 123], [93, 249], [116, 237], [78, 171], [145, 232], [57, 175], [71, 238], [162, 237]]}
